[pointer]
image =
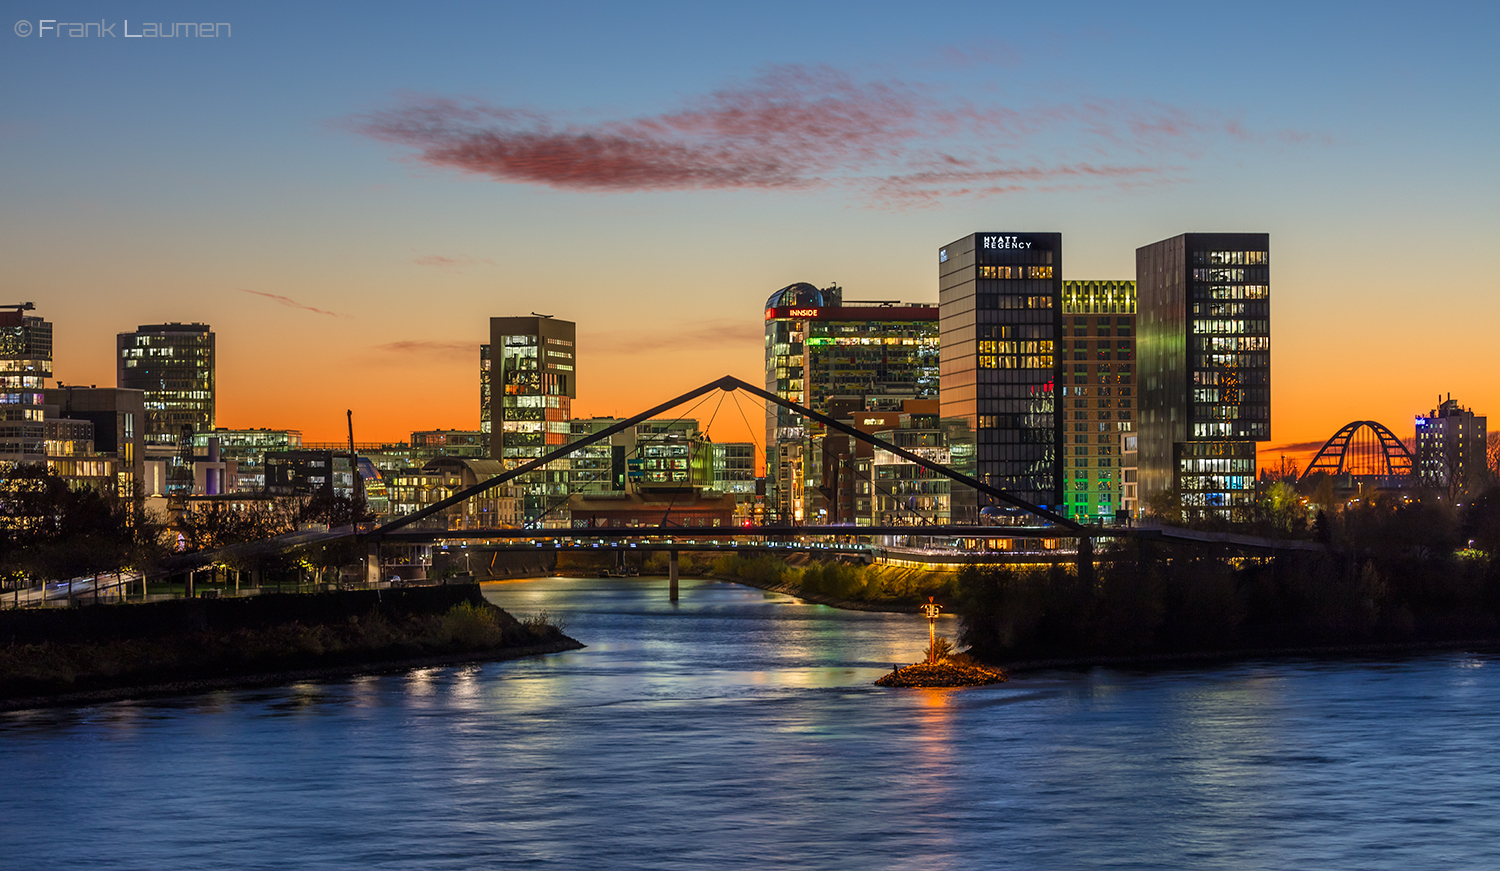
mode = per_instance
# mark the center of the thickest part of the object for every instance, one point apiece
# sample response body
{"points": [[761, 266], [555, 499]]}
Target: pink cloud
{"points": [[800, 127], [432, 348], [702, 336], [288, 301], [451, 263]]}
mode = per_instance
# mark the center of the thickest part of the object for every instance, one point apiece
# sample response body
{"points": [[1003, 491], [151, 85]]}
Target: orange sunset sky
{"points": [[348, 215]]}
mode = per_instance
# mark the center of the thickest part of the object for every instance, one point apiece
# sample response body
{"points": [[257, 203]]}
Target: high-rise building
{"points": [[1000, 296], [1451, 447], [1096, 377], [1204, 348], [174, 365], [835, 356], [25, 366], [526, 396]]}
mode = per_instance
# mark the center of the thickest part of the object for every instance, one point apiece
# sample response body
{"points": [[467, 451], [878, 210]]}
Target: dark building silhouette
{"points": [[1204, 344]]}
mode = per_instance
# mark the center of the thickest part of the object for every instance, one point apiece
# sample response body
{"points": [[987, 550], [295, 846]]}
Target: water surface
{"points": [[740, 729]]}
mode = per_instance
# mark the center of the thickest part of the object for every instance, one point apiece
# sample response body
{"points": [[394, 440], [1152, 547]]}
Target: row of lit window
{"points": [[1233, 343], [1220, 465], [1217, 482], [1209, 327], [1229, 275], [1231, 258], [1230, 309], [1231, 395], [1232, 361], [817, 341], [987, 361], [1230, 430], [989, 346], [1015, 272], [1231, 292]]}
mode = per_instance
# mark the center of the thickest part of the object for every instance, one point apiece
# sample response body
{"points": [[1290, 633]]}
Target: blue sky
{"points": [[201, 179]]}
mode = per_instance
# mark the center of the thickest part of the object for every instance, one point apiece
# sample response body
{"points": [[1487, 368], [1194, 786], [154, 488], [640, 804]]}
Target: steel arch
{"points": [[1333, 457]]}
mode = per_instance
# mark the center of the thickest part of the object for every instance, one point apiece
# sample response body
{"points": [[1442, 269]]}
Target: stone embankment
{"points": [[106, 652]]}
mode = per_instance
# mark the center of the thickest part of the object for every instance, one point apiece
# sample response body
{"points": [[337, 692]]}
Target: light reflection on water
{"points": [[740, 729]]}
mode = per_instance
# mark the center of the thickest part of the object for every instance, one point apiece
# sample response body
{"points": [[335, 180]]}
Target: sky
{"points": [[347, 193]]}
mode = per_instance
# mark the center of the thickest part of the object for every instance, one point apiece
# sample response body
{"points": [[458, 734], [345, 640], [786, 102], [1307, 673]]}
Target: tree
{"points": [[1166, 506], [337, 510], [213, 525], [51, 531], [1281, 506]]}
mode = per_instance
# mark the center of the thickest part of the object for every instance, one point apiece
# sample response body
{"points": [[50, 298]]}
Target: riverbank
{"points": [[877, 587], [816, 598], [108, 652]]}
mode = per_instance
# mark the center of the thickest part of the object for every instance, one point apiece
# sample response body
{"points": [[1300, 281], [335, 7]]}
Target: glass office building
{"points": [[25, 366], [835, 357], [1204, 343], [1000, 297], [1096, 392], [174, 365], [528, 380]]}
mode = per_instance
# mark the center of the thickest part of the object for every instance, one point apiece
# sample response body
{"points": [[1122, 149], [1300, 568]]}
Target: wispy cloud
{"points": [[699, 336], [814, 127], [1293, 448], [289, 302], [455, 263], [431, 348]]}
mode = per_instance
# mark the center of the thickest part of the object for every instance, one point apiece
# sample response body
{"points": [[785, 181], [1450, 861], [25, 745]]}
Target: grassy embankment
{"points": [[196, 644], [873, 587]]}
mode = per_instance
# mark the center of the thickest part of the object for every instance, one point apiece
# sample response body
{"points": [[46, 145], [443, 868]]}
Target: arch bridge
{"points": [[1363, 448]]}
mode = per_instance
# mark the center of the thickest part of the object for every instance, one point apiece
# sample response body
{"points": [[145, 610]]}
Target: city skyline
{"points": [[325, 219]]}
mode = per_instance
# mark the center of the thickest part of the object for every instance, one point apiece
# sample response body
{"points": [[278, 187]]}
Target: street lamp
{"points": [[931, 611]]}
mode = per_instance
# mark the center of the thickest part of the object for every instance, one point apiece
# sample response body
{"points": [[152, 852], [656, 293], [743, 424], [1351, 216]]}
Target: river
{"points": [[740, 729]]}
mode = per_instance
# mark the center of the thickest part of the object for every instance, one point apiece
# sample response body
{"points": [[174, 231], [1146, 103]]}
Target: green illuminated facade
{"points": [[1097, 392]]}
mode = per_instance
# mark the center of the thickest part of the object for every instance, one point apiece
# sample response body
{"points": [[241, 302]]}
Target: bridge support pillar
{"points": [[1086, 560], [372, 562], [672, 575]]}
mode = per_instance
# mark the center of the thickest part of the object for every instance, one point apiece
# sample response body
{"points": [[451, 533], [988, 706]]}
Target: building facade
{"points": [[833, 357], [1452, 445], [118, 416], [25, 366], [1096, 378], [248, 449], [528, 380], [174, 365], [1000, 297], [1204, 346]]}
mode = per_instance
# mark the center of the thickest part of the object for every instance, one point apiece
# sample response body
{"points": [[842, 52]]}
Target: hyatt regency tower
{"points": [[1000, 319]]}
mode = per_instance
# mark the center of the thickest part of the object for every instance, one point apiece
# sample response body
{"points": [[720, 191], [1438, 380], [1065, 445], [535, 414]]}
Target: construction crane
{"points": [[21, 306]]}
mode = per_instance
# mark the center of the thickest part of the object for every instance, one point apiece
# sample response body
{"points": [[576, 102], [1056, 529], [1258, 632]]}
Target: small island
{"points": [[945, 673], [942, 668]]}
